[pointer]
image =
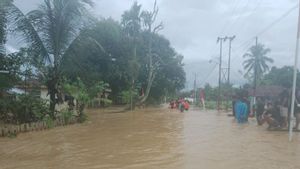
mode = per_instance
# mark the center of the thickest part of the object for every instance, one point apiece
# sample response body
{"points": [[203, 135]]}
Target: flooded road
{"points": [[153, 138]]}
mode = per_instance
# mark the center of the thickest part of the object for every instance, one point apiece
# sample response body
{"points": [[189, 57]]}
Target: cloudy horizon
{"points": [[193, 27]]}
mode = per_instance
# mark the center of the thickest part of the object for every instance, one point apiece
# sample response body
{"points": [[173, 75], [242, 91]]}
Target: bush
{"points": [[23, 109], [213, 105], [49, 121], [82, 118], [66, 116], [127, 94]]}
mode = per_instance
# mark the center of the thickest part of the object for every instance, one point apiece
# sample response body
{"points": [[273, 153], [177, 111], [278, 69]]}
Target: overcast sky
{"points": [[192, 26]]}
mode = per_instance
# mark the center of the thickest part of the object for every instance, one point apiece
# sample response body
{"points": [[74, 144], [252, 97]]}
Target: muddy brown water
{"points": [[153, 138]]}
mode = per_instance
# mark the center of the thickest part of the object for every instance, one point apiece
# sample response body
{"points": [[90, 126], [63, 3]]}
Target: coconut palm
{"points": [[257, 61], [50, 32], [131, 23], [4, 10]]}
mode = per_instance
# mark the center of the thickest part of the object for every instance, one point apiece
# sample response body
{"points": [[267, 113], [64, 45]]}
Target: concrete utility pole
{"points": [[229, 57], [220, 40], [292, 118], [195, 89], [255, 76]]}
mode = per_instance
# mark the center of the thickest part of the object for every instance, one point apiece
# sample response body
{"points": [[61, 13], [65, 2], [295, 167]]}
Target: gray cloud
{"points": [[193, 26]]}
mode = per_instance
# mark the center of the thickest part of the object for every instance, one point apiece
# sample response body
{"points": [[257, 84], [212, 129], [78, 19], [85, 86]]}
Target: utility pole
{"points": [[292, 119], [255, 75], [228, 71], [220, 40], [229, 57], [195, 88]]}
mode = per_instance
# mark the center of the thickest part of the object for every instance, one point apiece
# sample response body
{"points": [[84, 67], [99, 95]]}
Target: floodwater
{"points": [[155, 138]]}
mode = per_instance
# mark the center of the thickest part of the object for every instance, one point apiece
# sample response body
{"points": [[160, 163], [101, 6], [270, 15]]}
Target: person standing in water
{"points": [[241, 110], [202, 98], [260, 108]]}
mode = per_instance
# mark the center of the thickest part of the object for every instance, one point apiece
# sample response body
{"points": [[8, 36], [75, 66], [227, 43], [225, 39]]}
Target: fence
{"points": [[8, 130]]}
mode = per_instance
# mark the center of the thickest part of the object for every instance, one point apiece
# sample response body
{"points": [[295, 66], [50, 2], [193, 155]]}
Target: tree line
{"points": [[68, 50], [257, 72]]}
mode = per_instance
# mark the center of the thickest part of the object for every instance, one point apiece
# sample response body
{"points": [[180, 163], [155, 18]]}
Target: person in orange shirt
{"points": [[186, 105]]}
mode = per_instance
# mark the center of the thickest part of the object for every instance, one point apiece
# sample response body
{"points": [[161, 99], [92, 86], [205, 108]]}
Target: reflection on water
{"points": [[153, 138]]}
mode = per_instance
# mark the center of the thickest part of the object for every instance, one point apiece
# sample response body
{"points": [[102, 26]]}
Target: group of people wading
{"points": [[180, 104], [275, 112]]}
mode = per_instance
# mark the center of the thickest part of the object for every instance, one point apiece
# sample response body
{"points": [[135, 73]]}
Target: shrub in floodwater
{"points": [[211, 105], [23, 109], [12, 135], [49, 121], [82, 118], [66, 116]]}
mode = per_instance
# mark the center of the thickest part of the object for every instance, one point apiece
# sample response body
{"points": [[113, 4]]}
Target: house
{"points": [[36, 89]]}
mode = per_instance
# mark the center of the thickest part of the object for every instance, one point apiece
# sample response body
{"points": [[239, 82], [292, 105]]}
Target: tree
{"points": [[50, 31], [169, 72], [79, 91], [11, 63], [257, 61], [149, 20], [281, 77], [110, 64], [8, 63], [4, 17], [131, 23]]}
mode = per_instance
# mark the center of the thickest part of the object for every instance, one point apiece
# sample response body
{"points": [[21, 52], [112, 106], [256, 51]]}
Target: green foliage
{"points": [[23, 109], [117, 53], [131, 20], [126, 95], [12, 135], [97, 88], [82, 118], [281, 77], [78, 90], [49, 121], [49, 31], [212, 105], [93, 61], [66, 116], [256, 63], [210, 92], [4, 21], [11, 63]]}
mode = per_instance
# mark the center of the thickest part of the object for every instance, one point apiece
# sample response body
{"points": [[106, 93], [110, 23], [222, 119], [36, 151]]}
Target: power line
{"points": [[247, 42], [237, 2], [243, 24], [239, 15], [277, 20], [234, 12], [208, 75]]}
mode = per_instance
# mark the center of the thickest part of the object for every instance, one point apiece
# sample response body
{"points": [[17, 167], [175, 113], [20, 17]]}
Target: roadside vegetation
{"points": [[82, 61]]}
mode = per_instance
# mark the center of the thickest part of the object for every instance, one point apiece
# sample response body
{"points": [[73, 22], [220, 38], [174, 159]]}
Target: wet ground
{"points": [[156, 138]]}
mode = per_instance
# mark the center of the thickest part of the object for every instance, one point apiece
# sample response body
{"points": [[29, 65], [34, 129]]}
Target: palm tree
{"points": [[50, 32], [257, 61], [131, 23], [4, 10]]}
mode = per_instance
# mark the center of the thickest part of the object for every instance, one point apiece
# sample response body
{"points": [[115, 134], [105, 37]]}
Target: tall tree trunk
{"points": [[255, 78], [149, 85], [52, 84], [52, 92]]}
